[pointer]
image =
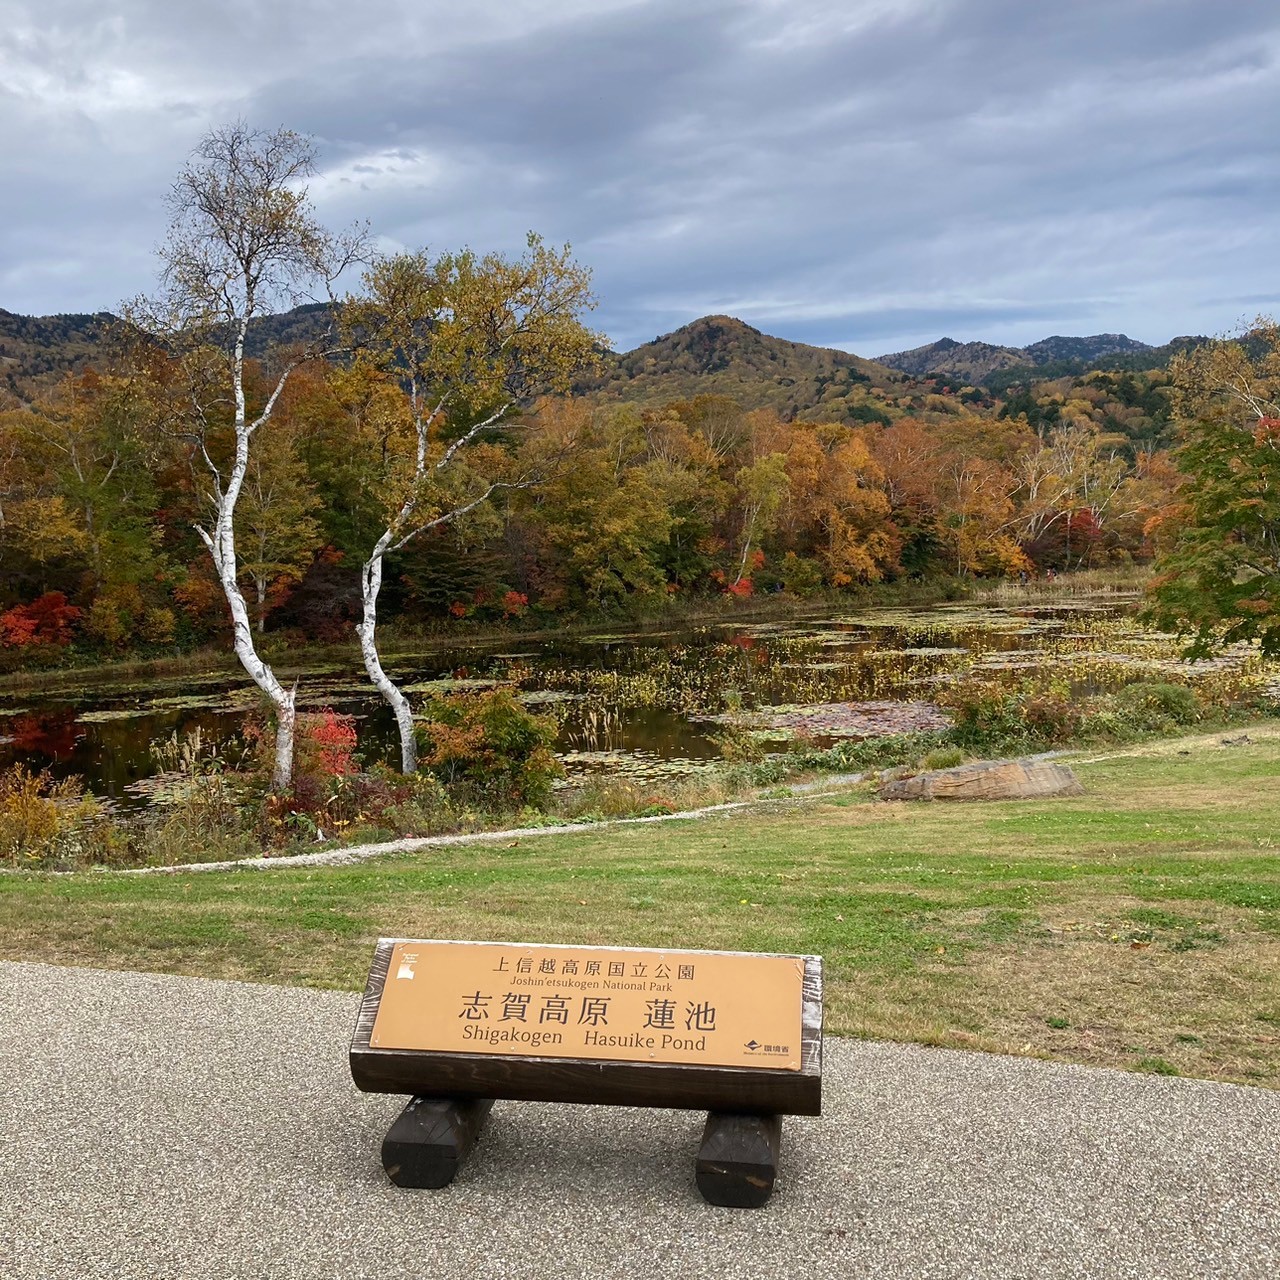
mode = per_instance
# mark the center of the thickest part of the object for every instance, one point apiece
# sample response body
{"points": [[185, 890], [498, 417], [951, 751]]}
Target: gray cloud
{"points": [[866, 175]]}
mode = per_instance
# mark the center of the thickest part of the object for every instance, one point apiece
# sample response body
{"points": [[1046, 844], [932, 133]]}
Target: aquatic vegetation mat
{"points": [[665, 695], [844, 719]]}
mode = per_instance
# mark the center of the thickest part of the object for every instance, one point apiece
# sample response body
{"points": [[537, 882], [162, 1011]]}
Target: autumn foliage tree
{"points": [[472, 338], [46, 621], [242, 242], [601, 530], [1220, 581]]}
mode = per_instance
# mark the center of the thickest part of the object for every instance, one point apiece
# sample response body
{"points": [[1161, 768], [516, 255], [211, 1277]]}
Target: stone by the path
{"points": [[987, 780]]}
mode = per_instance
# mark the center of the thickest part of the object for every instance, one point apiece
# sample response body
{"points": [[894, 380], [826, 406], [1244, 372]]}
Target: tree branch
{"points": [[471, 434]]}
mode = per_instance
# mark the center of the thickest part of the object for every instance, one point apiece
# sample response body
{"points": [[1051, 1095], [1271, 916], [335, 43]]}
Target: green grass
{"points": [[1136, 926]]}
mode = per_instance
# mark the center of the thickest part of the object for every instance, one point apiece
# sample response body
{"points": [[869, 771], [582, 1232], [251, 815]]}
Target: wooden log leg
{"points": [[430, 1139], [738, 1159]]}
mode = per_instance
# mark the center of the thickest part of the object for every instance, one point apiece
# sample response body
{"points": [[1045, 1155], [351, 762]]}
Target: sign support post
{"points": [[430, 1139], [738, 1159]]}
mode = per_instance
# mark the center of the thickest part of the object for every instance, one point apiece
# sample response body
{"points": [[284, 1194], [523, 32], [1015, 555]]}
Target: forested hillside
{"points": [[36, 350], [998, 368], [716, 355], [968, 361], [719, 355], [700, 495], [715, 459]]}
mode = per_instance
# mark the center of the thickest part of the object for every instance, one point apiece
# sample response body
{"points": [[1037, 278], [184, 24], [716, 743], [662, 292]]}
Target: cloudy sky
{"points": [[865, 174]]}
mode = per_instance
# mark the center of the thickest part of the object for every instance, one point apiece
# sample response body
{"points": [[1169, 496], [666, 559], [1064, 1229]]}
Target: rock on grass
{"points": [[987, 780]]}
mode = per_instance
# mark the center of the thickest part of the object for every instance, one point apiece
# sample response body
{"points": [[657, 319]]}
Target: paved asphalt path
{"points": [[155, 1126]]}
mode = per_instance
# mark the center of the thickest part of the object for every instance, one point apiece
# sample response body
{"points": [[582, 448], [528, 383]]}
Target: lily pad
{"points": [[192, 701], [845, 719], [542, 697], [636, 766], [451, 684]]}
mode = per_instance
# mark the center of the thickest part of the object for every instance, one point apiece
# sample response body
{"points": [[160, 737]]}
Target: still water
{"points": [[642, 705]]}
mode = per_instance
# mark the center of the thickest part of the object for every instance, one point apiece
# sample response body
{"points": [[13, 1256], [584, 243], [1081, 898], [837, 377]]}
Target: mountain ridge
{"points": [[722, 355], [712, 355], [997, 367]]}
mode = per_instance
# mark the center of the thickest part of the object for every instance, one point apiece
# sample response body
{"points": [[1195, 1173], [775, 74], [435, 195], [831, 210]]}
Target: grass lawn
{"points": [[1136, 926]]}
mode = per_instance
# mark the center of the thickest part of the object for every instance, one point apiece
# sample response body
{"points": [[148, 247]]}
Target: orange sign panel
{"points": [[706, 1008]]}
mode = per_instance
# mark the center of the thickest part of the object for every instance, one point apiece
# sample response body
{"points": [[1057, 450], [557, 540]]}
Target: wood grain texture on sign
{"points": [[402, 1045]]}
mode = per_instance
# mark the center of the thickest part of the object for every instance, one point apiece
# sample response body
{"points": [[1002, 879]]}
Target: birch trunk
{"points": [[370, 585], [746, 546], [284, 700], [222, 547]]}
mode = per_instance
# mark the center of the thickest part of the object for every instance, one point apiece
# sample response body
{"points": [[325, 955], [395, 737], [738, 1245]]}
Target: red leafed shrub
{"points": [[742, 588], [515, 604], [1083, 531], [48, 620], [333, 738]]}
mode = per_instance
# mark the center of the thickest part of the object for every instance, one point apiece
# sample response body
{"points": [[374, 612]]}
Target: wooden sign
{"points": [[718, 1030], [585, 1002]]}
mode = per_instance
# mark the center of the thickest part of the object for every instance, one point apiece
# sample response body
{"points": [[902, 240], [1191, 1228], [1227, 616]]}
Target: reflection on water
{"points": [[637, 704]]}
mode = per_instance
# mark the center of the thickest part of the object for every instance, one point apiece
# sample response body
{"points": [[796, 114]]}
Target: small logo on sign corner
{"points": [[753, 1045]]}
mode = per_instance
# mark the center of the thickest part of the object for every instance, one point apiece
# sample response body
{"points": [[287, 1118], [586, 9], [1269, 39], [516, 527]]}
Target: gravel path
{"points": [[159, 1127]]}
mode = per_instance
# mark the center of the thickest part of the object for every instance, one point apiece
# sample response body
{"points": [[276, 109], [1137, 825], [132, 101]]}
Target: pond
{"points": [[643, 705]]}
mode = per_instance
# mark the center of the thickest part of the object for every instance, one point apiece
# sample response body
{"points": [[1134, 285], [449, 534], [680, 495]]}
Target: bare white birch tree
{"points": [[472, 340], [242, 243]]}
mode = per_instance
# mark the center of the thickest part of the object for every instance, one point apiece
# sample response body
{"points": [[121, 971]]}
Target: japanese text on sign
{"points": [[700, 1007]]}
